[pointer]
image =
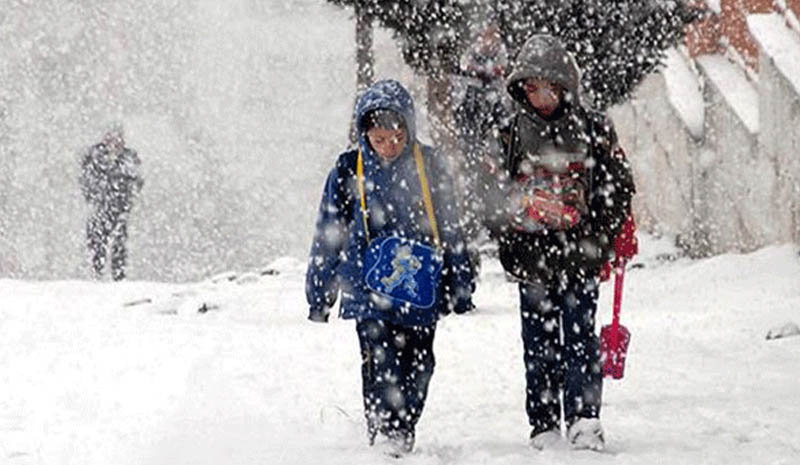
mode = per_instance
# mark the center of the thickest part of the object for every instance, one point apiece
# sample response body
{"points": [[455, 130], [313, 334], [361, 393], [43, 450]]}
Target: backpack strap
{"points": [[426, 193], [361, 190]]}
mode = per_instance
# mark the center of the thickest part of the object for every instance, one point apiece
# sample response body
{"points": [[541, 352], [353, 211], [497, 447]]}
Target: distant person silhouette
{"points": [[110, 178]]}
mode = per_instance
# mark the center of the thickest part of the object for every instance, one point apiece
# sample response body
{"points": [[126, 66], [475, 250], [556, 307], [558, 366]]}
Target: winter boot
{"points": [[548, 439], [586, 433], [397, 445]]}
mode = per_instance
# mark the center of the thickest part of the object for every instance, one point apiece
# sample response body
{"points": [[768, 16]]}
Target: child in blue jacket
{"points": [[388, 238]]}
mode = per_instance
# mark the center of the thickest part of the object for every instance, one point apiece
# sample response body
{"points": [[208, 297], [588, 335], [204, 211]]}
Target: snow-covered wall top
{"points": [[737, 91], [779, 43], [715, 6]]}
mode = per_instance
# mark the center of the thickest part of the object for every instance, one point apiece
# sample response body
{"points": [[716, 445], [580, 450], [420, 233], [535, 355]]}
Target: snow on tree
{"points": [[430, 32], [431, 38], [615, 43]]}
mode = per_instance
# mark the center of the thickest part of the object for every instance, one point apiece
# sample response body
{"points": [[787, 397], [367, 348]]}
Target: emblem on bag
{"points": [[405, 266], [405, 271]]}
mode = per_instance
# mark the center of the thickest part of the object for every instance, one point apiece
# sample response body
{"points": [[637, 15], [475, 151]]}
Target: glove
{"points": [[464, 306], [626, 246], [551, 210], [319, 315], [547, 200]]}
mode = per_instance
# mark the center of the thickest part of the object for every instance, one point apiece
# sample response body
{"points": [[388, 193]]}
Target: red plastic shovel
{"points": [[614, 338]]}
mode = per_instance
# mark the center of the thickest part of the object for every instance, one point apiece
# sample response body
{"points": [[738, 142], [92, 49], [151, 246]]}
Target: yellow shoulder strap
{"points": [[426, 193], [364, 211]]}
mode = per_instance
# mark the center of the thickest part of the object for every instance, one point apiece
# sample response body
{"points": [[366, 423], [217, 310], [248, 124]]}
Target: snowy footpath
{"points": [[92, 373]]}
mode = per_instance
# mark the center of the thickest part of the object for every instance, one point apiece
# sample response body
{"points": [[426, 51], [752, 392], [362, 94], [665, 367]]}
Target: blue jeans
{"points": [[562, 352]]}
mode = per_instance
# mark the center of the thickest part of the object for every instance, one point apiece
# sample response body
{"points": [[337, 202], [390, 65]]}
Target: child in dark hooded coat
{"points": [[388, 238], [556, 197]]}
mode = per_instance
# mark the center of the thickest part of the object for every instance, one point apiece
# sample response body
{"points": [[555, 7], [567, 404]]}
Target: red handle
{"points": [[619, 279]]}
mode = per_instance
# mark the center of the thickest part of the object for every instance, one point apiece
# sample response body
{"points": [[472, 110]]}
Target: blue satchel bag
{"points": [[405, 271]]}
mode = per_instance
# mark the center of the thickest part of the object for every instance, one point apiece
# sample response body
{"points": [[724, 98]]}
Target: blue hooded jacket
{"points": [[396, 208]]}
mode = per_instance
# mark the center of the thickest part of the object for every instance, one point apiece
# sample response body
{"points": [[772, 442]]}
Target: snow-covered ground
{"points": [[86, 379]]}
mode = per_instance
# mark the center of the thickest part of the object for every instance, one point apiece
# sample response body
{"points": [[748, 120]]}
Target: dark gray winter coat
{"points": [[576, 135], [109, 181]]}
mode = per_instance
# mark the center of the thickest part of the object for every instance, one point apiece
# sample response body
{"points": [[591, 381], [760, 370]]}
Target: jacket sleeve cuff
{"points": [[463, 306]]}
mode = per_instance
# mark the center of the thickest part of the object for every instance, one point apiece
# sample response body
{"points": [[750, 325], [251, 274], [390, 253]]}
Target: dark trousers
{"points": [[396, 368], [562, 352], [106, 229]]}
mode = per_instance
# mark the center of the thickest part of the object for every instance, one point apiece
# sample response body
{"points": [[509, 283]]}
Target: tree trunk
{"points": [[365, 62], [440, 108], [441, 111]]}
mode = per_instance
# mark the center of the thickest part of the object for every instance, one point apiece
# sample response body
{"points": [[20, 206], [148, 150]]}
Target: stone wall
{"points": [[661, 151], [729, 182], [779, 138], [736, 187]]}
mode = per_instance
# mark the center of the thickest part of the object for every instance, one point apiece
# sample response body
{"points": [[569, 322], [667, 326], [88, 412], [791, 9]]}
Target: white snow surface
{"points": [[735, 88], [715, 6], [684, 92], [87, 380], [779, 43]]}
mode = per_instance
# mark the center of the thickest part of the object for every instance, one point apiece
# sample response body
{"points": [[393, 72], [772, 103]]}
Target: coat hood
{"points": [[533, 136], [386, 95], [544, 57]]}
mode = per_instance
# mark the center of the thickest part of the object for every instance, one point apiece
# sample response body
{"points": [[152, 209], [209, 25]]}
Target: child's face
{"points": [[545, 96], [388, 143]]}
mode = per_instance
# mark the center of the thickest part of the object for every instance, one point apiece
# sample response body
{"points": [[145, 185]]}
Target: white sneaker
{"points": [[586, 433], [546, 440]]}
